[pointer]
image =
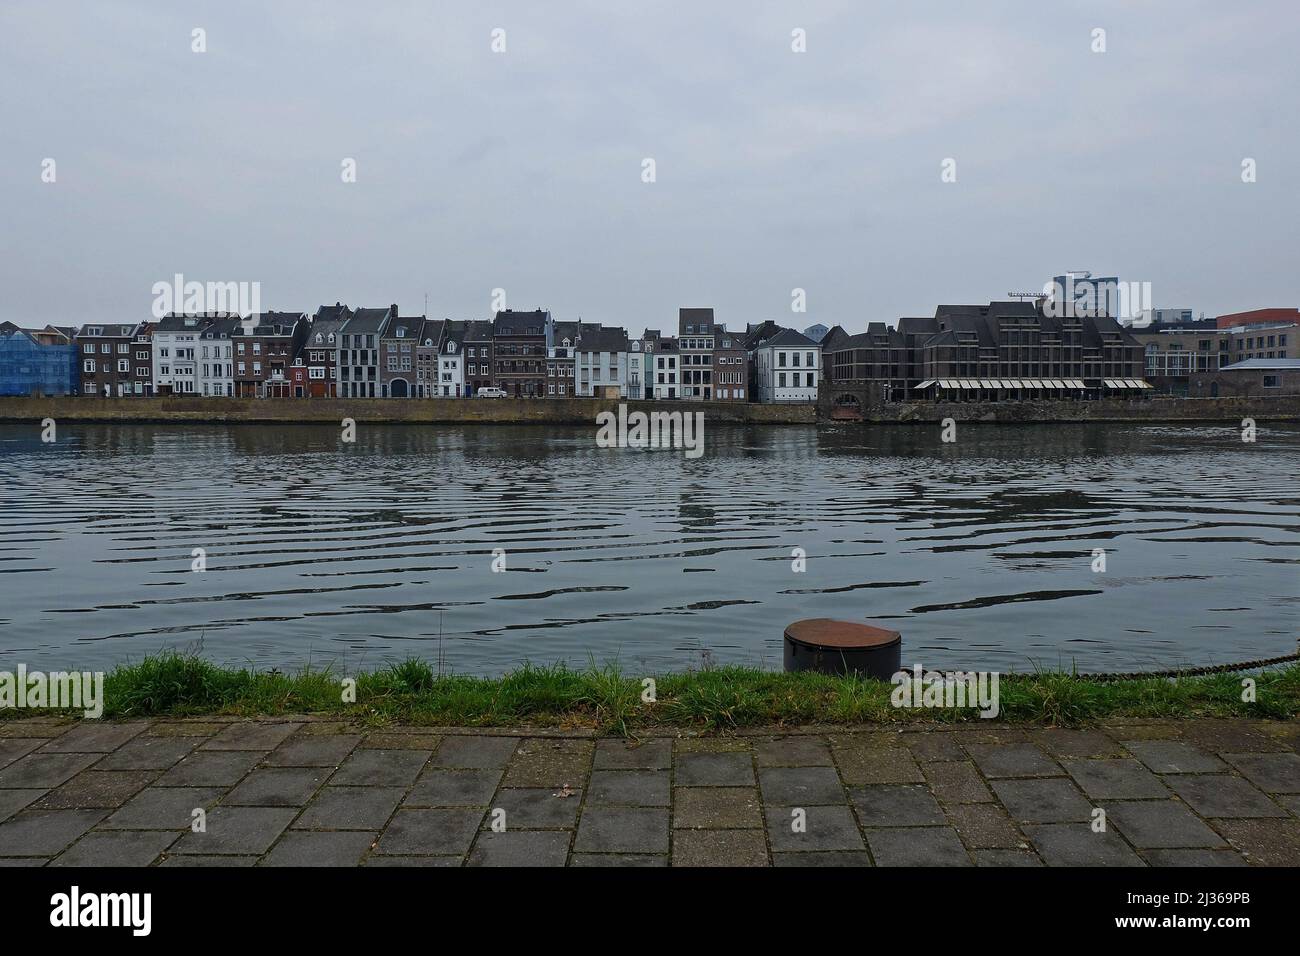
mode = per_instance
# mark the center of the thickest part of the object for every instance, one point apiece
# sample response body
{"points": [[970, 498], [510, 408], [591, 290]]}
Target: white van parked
{"points": [[488, 391]]}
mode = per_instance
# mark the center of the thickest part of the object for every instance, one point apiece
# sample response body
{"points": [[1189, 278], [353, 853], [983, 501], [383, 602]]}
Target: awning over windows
{"points": [[1125, 383]]}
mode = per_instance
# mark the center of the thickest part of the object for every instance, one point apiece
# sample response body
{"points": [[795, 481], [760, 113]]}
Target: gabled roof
{"points": [[478, 330], [326, 327], [566, 330], [190, 322], [754, 334], [788, 338], [115, 330], [8, 329], [602, 338], [453, 332], [514, 323], [430, 330], [272, 324], [721, 334], [221, 328], [834, 338], [367, 321], [699, 320], [405, 327], [333, 313]]}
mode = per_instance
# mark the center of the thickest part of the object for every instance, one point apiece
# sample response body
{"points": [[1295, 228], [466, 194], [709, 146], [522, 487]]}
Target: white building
{"points": [[787, 367], [214, 369], [639, 385], [451, 362], [600, 360], [175, 353]]}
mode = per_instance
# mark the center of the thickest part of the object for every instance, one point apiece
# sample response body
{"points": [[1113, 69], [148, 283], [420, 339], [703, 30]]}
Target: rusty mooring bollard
{"points": [[842, 647]]}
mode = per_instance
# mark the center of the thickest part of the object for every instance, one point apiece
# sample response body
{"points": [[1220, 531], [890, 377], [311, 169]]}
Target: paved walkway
{"points": [[297, 792]]}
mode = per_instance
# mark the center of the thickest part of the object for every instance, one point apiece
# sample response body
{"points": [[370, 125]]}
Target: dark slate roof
{"points": [[323, 328], [274, 324], [701, 320], [721, 334], [332, 313], [431, 330], [453, 332], [405, 327], [221, 328], [755, 334], [511, 323], [566, 330], [367, 321], [478, 330], [115, 330], [602, 338], [188, 322], [788, 338], [834, 339], [878, 335]]}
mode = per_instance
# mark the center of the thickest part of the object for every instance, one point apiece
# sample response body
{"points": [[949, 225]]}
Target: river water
{"points": [[981, 552]]}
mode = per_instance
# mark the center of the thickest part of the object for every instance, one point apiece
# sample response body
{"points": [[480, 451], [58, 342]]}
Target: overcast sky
{"points": [[522, 170]]}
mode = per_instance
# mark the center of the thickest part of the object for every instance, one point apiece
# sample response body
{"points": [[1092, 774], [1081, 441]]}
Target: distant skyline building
{"points": [[1088, 294]]}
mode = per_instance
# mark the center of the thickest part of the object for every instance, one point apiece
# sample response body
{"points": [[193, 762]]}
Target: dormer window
{"points": [[331, 338], [428, 342], [401, 333], [451, 346], [319, 338]]}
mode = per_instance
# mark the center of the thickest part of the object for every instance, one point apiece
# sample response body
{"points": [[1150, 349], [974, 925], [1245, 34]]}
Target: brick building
{"points": [[115, 360], [519, 352]]}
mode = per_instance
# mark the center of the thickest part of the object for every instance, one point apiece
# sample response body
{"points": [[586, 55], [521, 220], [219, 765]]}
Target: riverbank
{"points": [[1228, 410], [389, 411], [583, 411], [611, 701]]}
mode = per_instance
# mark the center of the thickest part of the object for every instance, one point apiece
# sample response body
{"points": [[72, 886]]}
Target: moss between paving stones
{"points": [[609, 700]]}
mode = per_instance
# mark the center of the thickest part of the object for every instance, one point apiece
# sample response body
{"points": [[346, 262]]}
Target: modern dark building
{"points": [[1003, 351]]}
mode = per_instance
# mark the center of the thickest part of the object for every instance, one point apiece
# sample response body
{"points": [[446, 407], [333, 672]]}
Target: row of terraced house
{"points": [[339, 351], [1003, 351]]}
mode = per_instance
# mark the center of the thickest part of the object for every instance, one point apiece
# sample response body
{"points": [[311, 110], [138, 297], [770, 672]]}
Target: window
{"points": [[1271, 381], [316, 373], [124, 365], [781, 380], [88, 366], [780, 361]]}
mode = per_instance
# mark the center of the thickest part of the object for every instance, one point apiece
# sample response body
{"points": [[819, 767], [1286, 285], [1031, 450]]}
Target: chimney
{"points": [[393, 309]]}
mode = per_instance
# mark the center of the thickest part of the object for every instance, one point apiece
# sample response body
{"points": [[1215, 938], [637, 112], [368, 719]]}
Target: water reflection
{"points": [[979, 551]]}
